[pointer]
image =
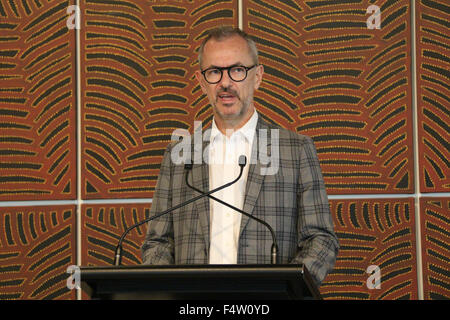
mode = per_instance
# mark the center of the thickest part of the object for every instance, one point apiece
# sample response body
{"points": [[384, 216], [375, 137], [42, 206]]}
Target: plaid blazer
{"points": [[293, 201]]}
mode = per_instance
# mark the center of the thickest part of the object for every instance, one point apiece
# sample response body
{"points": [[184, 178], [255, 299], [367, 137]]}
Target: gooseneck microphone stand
{"points": [[118, 251], [242, 162]]}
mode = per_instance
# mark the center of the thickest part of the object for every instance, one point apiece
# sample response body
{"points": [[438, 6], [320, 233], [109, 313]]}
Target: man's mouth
{"points": [[226, 97]]}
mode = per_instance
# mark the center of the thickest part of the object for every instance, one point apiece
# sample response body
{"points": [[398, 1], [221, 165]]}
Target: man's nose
{"points": [[226, 80]]}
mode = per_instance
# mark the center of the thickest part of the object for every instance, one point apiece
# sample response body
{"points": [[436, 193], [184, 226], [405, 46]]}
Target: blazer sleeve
{"points": [[158, 246], [317, 242]]}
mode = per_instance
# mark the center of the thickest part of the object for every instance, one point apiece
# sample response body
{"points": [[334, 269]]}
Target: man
{"points": [[291, 197]]}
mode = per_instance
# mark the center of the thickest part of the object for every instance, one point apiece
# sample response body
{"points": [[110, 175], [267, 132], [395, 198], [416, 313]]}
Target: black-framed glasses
{"points": [[236, 73]]}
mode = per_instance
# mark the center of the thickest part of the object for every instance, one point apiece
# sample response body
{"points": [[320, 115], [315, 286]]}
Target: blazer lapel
{"points": [[255, 179], [200, 180]]}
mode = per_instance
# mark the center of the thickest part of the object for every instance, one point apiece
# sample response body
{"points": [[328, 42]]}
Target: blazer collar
{"points": [[255, 179]]}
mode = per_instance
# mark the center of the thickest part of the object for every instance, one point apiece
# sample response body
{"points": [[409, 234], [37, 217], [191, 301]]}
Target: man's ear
{"points": [[199, 77], [259, 75]]}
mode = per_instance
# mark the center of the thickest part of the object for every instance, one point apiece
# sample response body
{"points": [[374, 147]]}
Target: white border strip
{"points": [[240, 15], [79, 200], [389, 196], [415, 115], [369, 196], [37, 203]]}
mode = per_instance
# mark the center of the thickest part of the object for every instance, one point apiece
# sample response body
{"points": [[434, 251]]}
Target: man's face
{"points": [[232, 101]]}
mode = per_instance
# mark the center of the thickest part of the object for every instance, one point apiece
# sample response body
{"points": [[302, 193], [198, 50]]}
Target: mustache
{"points": [[227, 90]]}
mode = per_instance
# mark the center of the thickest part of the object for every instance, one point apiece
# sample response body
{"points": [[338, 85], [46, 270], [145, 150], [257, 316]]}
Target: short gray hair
{"points": [[225, 32]]}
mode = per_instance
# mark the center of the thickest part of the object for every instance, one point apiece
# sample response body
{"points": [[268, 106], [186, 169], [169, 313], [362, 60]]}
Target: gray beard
{"points": [[231, 121]]}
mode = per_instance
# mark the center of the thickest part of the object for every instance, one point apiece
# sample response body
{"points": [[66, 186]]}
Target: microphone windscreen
{"points": [[242, 160]]}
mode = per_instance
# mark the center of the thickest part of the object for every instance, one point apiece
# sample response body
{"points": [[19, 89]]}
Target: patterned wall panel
{"points": [[331, 77], [37, 244], [327, 75], [138, 86], [102, 226], [433, 92], [37, 101], [435, 227], [373, 233]]}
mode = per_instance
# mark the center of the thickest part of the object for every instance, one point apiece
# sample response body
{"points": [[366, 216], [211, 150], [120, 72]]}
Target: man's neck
{"points": [[227, 127]]}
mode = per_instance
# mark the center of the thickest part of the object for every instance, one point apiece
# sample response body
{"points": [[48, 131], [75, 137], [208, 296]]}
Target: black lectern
{"points": [[205, 282]]}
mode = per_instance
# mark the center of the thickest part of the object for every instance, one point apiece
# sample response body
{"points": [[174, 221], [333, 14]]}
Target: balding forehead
{"points": [[250, 45]]}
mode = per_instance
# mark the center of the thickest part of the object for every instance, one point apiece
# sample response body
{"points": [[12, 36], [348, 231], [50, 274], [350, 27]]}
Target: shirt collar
{"points": [[247, 130]]}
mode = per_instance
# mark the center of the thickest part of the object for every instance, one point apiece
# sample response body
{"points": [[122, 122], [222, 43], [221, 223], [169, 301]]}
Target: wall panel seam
{"points": [[415, 115]]}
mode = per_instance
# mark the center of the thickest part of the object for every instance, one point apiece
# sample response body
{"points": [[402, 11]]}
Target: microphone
{"points": [[242, 163], [118, 252]]}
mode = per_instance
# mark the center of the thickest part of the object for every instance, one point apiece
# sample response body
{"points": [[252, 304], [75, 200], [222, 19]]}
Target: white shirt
{"points": [[224, 167]]}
